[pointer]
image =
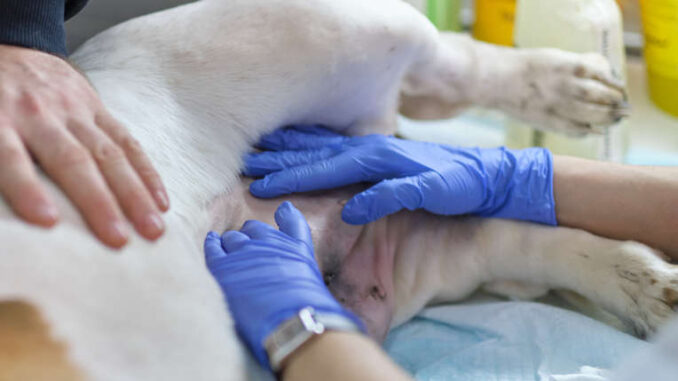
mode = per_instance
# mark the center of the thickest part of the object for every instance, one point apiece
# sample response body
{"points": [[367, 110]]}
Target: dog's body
{"points": [[197, 85]]}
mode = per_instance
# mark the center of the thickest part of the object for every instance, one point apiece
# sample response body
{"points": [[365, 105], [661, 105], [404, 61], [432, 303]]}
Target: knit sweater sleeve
{"points": [[37, 24]]}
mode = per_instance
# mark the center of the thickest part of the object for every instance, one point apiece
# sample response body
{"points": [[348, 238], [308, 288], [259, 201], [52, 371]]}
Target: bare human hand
{"points": [[49, 111]]}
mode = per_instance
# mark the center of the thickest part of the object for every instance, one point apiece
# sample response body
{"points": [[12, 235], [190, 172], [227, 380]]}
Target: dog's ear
{"points": [[27, 350]]}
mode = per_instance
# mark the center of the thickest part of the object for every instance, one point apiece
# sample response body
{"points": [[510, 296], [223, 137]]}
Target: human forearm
{"points": [[618, 201], [341, 356]]}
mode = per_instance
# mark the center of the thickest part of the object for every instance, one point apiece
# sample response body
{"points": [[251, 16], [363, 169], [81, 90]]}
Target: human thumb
{"points": [[292, 222], [383, 199]]}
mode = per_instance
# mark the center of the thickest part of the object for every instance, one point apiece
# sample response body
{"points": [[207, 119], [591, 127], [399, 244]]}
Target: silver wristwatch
{"points": [[296, 331]]}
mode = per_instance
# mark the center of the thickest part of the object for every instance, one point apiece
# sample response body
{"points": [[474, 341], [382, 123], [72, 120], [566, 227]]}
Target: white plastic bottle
{"points": [[419, 4], [580, 26]]}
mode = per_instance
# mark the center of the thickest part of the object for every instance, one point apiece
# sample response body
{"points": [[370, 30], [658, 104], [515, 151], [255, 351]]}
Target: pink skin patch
{"points": [[362, 278], [356, 261]]}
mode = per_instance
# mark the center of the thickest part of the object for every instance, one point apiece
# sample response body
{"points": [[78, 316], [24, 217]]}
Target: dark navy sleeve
{"points": [[37, 24], [73, 7]]}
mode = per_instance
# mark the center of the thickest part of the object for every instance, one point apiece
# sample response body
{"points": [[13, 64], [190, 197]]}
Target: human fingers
{"points": [[293, 223], [122, 179], [136, 156], [260, 164], [383, 199], [71, 166], [212, 248], [19, 182], [257, 230], [300, 138], [341, 170], [233, 241]]}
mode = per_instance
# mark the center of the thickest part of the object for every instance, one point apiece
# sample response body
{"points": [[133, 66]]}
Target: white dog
{"points": [[198, 84]]}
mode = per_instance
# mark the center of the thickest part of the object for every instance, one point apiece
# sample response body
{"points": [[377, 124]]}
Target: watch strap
{"points": [[296, 331]]}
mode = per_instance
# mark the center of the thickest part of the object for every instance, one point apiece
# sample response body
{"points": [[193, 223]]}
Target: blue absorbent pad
{"points": [[508, 341]]}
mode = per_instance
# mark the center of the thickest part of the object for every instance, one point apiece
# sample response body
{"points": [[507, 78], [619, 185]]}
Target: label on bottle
{"points": [[660, 24]]}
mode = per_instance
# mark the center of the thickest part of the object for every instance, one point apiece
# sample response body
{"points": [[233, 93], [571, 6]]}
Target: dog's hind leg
{"points": [[627, 279], [443, 259]]}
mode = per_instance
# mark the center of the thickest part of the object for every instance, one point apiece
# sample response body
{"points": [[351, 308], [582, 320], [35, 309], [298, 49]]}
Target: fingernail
{"points": [[48, 214], [163, 200], [118, 233], [153, 224]]}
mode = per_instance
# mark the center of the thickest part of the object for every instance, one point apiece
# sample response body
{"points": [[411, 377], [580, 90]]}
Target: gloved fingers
{"points": [[316, 130], [383, 199], [260, 164], [300, 138], [341, 170], [292, 222], [233, 241], [212, 246], [257, 230]]}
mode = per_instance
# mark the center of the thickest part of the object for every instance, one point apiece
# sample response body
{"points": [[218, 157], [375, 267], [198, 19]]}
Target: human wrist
{"points": [[306, 325], [36, 24], [257, 318], [306, 354], [275, 321], [523, 186]]}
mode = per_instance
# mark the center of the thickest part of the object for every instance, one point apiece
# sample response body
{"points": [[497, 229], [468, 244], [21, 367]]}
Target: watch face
{"points": [[308, 319]]}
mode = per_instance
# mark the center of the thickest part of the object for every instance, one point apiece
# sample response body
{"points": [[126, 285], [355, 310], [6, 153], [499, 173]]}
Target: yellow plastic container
{"points": [[494, 21], [660, 25]]}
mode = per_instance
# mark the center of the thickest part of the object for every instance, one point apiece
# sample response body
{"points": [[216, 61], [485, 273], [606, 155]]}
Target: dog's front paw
{"points": [[576, 94], [647, 287]]}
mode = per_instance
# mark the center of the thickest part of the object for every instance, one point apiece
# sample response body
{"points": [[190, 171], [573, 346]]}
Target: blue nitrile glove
{"points": [[445, 180], [268, 275]]}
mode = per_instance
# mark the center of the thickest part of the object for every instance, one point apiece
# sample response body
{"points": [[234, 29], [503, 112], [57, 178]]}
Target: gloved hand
{"points": [[268, 275], [498, 182]]}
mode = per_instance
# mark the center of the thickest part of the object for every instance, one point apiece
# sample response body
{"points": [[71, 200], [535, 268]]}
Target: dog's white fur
{"points": [[198, 84]]}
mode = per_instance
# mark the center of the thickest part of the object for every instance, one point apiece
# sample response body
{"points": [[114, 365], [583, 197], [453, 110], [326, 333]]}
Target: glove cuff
{"points": [[525, 189]]}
